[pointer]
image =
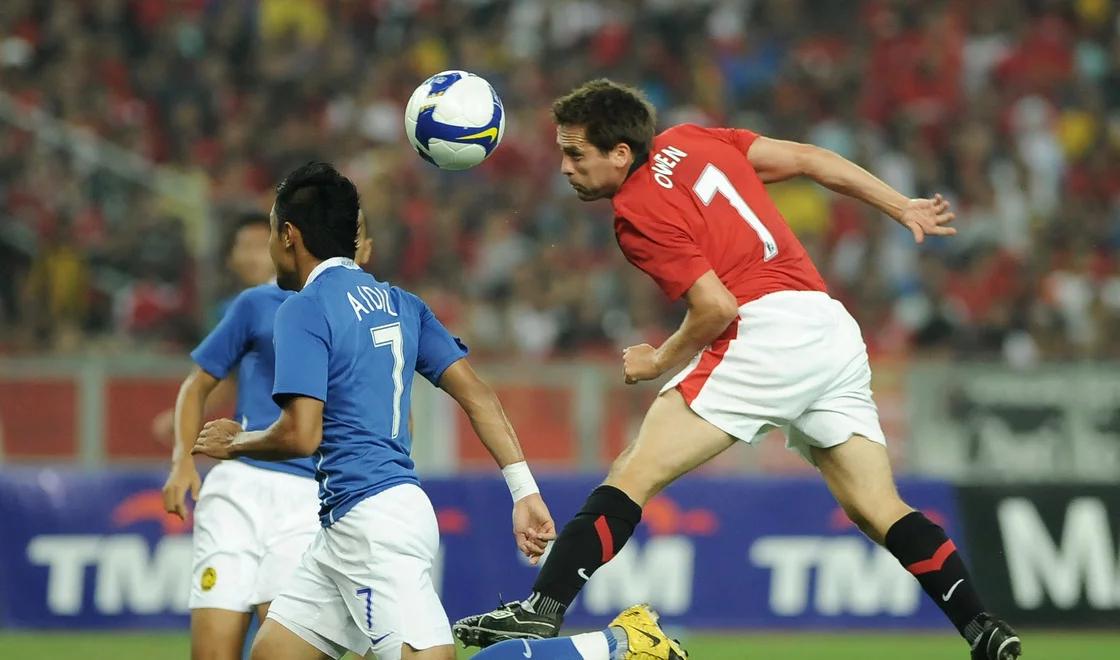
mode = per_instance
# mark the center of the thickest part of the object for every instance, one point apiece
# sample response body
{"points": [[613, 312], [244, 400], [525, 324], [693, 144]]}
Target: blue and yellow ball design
{"points": [[454, 120]]}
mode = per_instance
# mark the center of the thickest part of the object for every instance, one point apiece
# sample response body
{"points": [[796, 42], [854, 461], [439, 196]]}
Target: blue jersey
{"points": [[242, 340], [354, 343]]}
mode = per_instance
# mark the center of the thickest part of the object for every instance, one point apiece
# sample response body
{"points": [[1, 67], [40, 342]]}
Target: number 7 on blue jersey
{"points": [[391, 336]]}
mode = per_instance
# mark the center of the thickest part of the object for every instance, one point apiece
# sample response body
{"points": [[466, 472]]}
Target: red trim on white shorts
{"points": [[694, 382]]}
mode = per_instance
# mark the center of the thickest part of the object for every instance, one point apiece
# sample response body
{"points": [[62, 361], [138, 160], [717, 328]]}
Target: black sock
{"points": [[923, 549], [588, 541]]}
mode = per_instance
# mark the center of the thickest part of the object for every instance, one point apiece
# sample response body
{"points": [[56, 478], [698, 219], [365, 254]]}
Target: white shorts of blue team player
{"points": [[366, 581], [251, 527]]}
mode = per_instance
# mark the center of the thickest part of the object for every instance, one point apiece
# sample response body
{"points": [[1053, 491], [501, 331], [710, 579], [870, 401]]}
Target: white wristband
{"points": [[520, 480]]}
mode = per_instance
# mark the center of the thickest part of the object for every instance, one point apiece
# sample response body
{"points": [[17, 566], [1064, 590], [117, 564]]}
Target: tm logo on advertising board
{"points": [[1081, 562], [128, 574], [852, 575]]}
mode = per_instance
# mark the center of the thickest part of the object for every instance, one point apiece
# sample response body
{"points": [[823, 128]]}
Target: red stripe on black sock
{"points": [[934, 563], [605, 539]]}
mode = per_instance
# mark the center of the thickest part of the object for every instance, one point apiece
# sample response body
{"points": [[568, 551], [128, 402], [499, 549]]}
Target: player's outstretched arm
{"points": [[479, 401], [532, 523], [189, 406], [296, 433], [778, 160]]}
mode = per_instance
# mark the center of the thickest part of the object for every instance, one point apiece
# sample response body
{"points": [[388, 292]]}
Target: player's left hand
{"points": [[927, 217], [640, 363], [216, 439], [532, 527]]}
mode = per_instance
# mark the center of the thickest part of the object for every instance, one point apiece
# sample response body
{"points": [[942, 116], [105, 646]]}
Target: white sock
{"points": [[592, 646]]}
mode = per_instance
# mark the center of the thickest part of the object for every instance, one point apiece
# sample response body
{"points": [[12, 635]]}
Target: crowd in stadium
{"points": [[1010, 109]]}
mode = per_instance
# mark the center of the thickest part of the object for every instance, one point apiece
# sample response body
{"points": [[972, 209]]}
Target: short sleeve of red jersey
{"points": [[662, 250], [740, 138]]}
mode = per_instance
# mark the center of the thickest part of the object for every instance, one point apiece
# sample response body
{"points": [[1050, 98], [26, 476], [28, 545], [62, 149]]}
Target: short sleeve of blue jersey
{"points": [[302, 341], [437, 348], [227, 343]]}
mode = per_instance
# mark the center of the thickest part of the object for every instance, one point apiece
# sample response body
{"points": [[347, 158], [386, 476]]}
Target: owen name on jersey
{"points": [[699, 206], [663, 163]]}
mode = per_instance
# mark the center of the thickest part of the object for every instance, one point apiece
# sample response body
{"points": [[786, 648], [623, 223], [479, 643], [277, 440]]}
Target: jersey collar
{"points": [[642, 159], [330, 263]]}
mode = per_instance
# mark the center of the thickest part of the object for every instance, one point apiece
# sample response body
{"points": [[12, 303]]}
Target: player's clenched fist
{"points": [[640, 363], [216, 438]]}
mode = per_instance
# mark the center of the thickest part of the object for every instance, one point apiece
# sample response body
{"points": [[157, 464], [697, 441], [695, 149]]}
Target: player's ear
{"points": [[363, 245], [289, 234], [621, 155], [365, 249]]}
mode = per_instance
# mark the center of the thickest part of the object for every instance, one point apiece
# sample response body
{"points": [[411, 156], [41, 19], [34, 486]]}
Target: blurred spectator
{"points": [[56, 290], [1010, 108]]}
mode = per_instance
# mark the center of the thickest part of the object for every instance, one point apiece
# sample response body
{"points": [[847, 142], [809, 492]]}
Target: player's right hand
{"points": [[927, 217], [183, 478], [216, 439], [532, 527]]}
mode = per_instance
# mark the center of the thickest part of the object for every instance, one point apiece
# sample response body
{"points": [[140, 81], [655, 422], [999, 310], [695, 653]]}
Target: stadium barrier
{"points": [[961, 422], [1056, 423], [94, 549], [97, 411]]}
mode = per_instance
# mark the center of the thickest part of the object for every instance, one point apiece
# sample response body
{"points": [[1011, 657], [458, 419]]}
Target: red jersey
{"points": [[698, 205]]}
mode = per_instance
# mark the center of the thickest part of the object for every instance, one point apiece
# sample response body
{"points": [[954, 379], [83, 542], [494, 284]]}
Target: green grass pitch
{"points": [[791, 646]]}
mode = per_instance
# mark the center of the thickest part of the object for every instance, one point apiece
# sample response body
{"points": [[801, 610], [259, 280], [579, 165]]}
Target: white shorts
{"points": [[795, 361], [251, 526], [366, 581]]}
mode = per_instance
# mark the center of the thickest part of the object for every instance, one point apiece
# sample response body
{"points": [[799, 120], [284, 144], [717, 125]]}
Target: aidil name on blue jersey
{"points": [[365, 299]]}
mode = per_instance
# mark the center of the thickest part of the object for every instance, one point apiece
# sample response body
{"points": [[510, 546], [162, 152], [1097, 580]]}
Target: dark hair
{"points": [[250, 219], [324, 205], [243, 220], [610, 113]]}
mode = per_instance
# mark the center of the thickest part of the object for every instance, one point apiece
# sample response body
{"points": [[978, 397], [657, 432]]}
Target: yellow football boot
{"points": [[646, 640]]}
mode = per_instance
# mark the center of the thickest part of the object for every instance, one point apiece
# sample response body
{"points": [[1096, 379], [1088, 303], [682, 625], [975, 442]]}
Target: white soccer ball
{"points": [[454, 120]]}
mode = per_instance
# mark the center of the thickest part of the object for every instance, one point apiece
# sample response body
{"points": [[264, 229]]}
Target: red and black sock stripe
{"points": [[923, 548], [588, 541]]}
